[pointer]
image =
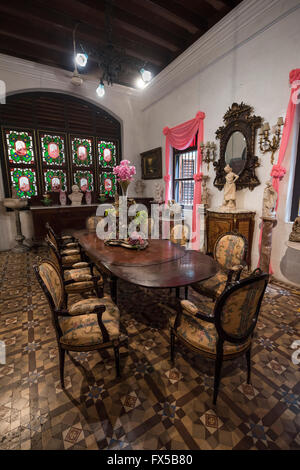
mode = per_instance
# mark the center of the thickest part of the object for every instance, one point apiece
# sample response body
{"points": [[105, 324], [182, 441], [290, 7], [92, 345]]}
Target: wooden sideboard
{"points": [[218, 223], [61, 218]]}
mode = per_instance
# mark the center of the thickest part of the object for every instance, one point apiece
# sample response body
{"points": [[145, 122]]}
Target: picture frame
{"points": [[152, 164]]}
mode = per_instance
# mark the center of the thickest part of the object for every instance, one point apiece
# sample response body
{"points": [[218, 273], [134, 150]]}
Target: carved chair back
{"points": [[231, 249], [51, 234], [54, 254], [51, 282], [179, 234], [237, 309]]}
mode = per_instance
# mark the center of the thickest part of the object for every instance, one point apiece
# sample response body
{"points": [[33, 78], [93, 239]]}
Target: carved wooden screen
{"points": [[51, 141]]}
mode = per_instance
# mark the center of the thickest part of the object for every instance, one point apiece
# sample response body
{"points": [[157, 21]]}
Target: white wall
{"points": [[246, 57], [255, 71], [21, 75]]}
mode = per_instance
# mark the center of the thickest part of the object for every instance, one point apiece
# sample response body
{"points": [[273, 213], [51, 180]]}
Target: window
{"points": [[295, 210], [184, 168], [50, 141]]}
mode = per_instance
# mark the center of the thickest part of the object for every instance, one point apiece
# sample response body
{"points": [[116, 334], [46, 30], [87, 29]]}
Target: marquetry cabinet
{"points": [[218, 223]]}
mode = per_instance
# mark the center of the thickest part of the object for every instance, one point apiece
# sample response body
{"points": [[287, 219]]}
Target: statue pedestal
{"points": [[202, 233], [19, 248], [266, 242]]}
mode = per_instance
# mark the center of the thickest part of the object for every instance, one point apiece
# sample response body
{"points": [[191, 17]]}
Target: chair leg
{"points": [[218, 367], [177, 289], [172, 344], [117, 359], [186, 292], [62, 353], [248, 357]]}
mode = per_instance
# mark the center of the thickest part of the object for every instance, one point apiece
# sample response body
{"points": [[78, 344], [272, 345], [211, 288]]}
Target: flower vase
{"points": [[124, 186]]}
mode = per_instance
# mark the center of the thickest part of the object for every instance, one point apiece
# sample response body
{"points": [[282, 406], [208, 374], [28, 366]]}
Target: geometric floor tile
{"points": [[154, 404]]}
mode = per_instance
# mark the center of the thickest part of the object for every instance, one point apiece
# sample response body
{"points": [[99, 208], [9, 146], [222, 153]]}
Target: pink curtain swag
{"points": [[181, 137], [278, 171]]}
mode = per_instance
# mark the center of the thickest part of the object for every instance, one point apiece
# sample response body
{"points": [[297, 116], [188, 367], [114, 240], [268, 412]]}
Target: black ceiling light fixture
{"points": [[111, 60]]}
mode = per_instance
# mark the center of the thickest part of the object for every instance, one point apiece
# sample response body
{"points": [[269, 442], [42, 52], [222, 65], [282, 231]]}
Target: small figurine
{"points": [[88, 197], [158, 193], [229, 202], [139, 187], [75, 196], [205, 192], [295, 233], [62, 198], [269, 201]]}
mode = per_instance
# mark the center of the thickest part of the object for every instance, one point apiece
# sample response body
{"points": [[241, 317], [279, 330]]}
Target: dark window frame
{"points": [[176, 153]]}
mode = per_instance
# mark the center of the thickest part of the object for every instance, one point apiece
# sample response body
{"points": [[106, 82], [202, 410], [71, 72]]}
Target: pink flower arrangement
{"points": [[124, 171]]}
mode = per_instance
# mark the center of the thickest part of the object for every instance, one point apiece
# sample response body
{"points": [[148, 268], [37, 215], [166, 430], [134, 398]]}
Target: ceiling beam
{"points": [[49, 21], [182, 12]]}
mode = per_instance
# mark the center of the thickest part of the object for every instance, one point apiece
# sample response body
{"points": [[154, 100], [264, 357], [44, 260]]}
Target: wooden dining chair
{"points": [[87, 325], [179, 234], [227, 333], [78, 278], [70, 251], [230, 252]]}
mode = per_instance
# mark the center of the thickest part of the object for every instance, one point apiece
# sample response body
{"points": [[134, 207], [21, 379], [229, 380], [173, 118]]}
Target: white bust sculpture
{"points": [[158, 193], [229, 202], [269, 201], [139, 187], [75, 196]]}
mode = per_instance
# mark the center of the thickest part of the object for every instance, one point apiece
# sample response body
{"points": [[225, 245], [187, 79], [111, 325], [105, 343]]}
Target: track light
{"points": [[100, 89]]}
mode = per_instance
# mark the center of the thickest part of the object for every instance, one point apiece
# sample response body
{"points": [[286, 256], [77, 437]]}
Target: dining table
{"points": [[161, 265]]}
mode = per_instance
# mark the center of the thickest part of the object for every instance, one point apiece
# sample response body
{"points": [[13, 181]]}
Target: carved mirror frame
{"points": [[238, 118]]}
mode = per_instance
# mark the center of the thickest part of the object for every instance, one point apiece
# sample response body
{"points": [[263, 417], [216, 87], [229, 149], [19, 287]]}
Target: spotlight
{"points": [[140, 83], [100, 89], [81, 59], [146, 75]]}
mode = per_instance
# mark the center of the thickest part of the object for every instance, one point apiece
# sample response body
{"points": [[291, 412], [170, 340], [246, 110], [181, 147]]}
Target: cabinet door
{"points": [[216, 227]]}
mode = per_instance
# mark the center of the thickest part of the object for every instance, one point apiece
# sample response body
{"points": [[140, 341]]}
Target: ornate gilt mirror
{"points": [[237, 146]]}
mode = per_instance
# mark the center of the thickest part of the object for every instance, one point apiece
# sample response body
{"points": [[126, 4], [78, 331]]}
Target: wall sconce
{"points": [[267, 145], [208, 152]]}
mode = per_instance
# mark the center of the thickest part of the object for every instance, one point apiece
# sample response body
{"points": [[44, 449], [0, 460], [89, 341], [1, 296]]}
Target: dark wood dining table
{"points": [[161, 265]]}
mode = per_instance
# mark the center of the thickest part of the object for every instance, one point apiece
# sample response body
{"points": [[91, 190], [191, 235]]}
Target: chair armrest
{"points": [[99, 309], [205, 317]]}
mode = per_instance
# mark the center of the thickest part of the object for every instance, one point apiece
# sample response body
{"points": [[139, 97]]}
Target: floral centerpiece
{"points": [[124, 173]]}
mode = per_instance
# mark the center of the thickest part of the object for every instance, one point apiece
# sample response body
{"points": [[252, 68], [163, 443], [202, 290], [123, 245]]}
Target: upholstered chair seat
{"points": [[230, 252], [222, 330], [179, 234], [68, 261], [87, 325], [83, 279], [202, 334], [83, 330]]}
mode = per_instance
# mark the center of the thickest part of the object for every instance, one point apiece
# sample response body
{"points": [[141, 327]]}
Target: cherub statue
{"points": [[229, 202], [269, 201], [158, 193], [75, 196], [295, 233]]}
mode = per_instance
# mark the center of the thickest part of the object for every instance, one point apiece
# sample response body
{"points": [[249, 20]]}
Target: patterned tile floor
{"points": [[153, 406]]}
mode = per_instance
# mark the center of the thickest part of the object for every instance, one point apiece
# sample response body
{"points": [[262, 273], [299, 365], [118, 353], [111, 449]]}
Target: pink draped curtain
{"points": [[181, 137], [278, 171]]}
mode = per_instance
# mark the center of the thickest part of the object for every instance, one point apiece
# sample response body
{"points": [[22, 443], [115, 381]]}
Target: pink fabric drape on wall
{"points": [[278, 171], [180, 137]]}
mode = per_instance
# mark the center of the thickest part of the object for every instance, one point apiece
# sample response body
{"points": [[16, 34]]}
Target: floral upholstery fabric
{"points": [[83, 279], [240, 308], [67, 237], [53, 282], [84, 330], [71, 251], [179, 234], [81, 264], [70, 260], [71, 245], [88, 305], [230, 251], [207, 308], [203, 335], [212, 287]]}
